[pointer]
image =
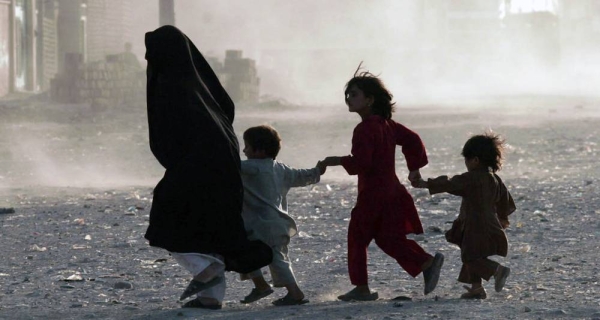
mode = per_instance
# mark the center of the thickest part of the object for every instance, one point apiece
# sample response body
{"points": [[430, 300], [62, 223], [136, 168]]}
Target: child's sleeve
{"points": [[301, 177], [505, 205], [456, 185], [362, 152], [412, 147]]}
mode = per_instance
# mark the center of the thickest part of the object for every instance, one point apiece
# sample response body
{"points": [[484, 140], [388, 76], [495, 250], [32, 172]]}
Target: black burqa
{"points": [[197, 205]]}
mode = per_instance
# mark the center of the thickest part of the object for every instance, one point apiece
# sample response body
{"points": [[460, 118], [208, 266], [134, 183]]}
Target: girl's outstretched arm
{"points": [[331, 161], [457, 185]]}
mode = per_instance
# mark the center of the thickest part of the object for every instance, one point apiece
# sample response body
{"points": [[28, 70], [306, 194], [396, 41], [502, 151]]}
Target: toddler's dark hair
{"points": [[372, 86], [264, 137], [488, 147]]}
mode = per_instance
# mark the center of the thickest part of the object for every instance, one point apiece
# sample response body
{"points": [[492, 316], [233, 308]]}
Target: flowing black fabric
{"points": [[197, 205]]}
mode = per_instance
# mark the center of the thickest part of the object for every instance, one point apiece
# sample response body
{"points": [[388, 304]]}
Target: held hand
{"points": [[322, 167], [414, 175], [419, 183]]}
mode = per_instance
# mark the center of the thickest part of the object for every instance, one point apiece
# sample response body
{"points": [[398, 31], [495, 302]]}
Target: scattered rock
{"points": [[75, 277], [7, 210], [435, 229], [123, 285]]}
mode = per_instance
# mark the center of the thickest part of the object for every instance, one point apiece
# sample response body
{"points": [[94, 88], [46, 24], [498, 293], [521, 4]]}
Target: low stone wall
{"points": [[115, 82]]}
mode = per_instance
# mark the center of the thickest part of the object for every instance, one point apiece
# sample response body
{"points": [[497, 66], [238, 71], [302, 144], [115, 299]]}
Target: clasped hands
{"points": [[328, 162], [414, 176], [416, 180]]}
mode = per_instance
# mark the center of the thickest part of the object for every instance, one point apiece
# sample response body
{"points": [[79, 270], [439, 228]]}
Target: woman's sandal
{"points": [[289, 301], [196, 286], [478, 293], [196, 303]]}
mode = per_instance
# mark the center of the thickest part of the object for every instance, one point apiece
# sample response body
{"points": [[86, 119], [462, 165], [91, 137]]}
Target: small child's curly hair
{"points": [[488, 147], [372, 86], [264, 137]]}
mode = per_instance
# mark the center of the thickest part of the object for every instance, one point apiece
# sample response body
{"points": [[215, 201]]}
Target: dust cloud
{"points": [[440, 54], [426, 51]]}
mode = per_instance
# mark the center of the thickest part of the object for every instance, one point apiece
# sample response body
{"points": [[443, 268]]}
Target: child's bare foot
{"points": [[474, 293], [257, 294], [360, 293], [294, 292]]}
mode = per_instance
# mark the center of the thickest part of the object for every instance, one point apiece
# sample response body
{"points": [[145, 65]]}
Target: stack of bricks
{"points": [[113, 82], [102, 84], [240, 77]]}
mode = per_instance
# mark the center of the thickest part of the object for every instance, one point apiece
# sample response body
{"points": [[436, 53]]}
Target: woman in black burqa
{"points": [[197, 205]]}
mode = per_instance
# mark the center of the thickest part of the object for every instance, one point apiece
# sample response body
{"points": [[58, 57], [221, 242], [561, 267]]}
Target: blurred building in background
{"points": [[42, 38], [238, 76], [95, 60], [580, 31], [80, 51], [28, 44], [500, 34]]}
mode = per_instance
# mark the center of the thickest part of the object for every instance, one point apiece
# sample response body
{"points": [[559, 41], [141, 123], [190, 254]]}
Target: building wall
{"points": [[38, 36], [47, 56], [108, 28], [69, 30], [4, 47], [24, 51]]}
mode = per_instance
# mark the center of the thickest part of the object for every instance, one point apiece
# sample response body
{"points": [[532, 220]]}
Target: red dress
{"points": [[384, 211]]}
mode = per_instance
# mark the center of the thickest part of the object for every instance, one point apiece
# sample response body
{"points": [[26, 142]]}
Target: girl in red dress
{"points": [[384, 209]]}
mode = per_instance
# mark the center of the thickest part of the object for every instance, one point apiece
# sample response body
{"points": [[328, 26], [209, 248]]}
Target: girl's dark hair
{"points": [[265, 138], [372, 86], [488, 147]]}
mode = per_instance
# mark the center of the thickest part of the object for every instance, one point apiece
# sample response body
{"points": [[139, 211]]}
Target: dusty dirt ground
{"points": [[80, 183]]}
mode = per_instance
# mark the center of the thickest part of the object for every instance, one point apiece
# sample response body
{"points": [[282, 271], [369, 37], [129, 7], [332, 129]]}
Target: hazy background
{"points": [[307, 50]]}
